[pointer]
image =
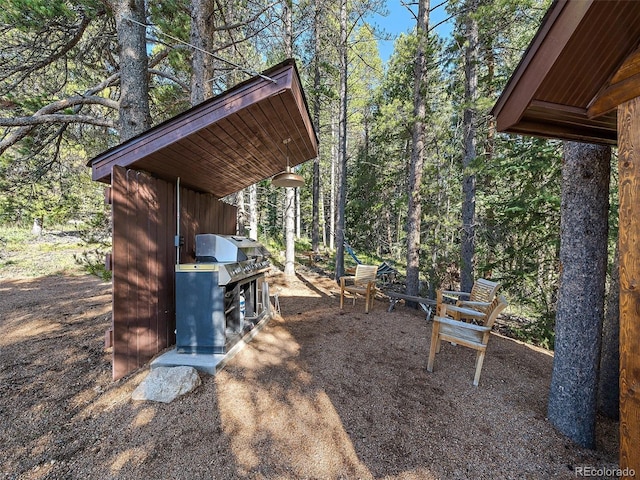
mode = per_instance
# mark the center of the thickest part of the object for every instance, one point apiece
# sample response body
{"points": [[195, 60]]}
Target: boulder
{"points": [[165, 384]]}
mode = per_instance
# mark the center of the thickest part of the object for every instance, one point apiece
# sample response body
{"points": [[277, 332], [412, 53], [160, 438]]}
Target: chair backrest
{"points": [[483, 290], [365, 274], [498, 305]]}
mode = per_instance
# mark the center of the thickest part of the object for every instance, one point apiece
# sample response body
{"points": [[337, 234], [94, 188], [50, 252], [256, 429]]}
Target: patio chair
{"points": [[466, 334], [362, 283], [482, 294]]}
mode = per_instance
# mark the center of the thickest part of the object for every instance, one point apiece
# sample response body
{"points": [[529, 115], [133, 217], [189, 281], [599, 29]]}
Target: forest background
{"points": [[59, 104]]}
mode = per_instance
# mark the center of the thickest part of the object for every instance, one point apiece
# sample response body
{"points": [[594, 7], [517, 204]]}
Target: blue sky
{"points": [[400, 20]]}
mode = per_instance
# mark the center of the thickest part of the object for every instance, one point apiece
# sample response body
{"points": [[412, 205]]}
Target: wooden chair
{"points": [[482, 294], [466, 334], [362, 283]]}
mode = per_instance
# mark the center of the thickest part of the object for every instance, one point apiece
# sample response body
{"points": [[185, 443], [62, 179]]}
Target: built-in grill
{"points": [[222, 295], [237, 257]]}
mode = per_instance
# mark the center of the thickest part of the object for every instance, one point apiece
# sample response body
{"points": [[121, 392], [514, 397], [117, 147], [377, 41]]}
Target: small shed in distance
{"points": [[580, 80], [218, 147]]}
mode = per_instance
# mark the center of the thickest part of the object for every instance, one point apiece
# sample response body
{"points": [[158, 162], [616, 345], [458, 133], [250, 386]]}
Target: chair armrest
{"points": [[450, 296], [470, 303], [455, 294], [344, 279], [459, 324], [465, 312]]}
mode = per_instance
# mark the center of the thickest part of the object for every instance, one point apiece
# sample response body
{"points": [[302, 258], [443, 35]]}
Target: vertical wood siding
{"points": [[629, 233], [144, 257]]}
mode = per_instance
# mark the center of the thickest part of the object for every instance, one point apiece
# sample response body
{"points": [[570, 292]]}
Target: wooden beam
{"points": [[629, 68], [622, 86], [559, 107], [613, 95], [545, 129], [629, 238]]}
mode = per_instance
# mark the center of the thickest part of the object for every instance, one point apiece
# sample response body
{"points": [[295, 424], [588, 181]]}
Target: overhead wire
{"points": [[217, 57]]}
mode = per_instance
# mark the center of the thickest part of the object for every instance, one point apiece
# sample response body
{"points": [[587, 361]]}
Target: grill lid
{"points": [[228, 248]]}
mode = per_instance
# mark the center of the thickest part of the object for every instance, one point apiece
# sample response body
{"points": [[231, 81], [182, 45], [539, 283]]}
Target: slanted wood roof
{"points": [[227, 142], [583, 62]]}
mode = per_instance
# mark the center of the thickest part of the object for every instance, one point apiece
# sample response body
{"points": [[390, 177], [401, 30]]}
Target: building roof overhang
{"points": [[583, 62], [228, 142]]}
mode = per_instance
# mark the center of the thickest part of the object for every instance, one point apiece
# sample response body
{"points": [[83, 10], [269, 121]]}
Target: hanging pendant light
{"points": [[287, 178]]}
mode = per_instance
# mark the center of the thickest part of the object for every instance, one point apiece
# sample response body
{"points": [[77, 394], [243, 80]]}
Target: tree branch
{"points": [[173, 78], [46, 115], [54, 118]]}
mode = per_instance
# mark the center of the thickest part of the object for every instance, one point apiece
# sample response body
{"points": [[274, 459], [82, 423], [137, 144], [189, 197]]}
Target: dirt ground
{"points": [[318, 394]]}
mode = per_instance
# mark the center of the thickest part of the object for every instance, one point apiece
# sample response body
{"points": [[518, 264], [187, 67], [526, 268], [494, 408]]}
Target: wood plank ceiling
{"points": [[582, 61], [228, 142]]}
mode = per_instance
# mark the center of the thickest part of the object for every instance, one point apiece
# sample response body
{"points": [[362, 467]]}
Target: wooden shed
{"points": [[218, 147], [580, 80]]}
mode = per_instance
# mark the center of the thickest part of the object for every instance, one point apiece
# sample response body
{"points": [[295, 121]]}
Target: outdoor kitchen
{"points": [[222, 301], [192, 290], [221, 296]]}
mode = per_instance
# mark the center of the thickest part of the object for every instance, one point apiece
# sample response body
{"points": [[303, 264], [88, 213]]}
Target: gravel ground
{"points": [[318, 394]]}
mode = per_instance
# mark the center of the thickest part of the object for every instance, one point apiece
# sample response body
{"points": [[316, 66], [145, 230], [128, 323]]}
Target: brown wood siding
{"points": [[144, 257]]}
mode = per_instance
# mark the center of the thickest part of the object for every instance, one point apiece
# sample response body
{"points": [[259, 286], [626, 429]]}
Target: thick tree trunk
{"points": [[609, 378], [135, 117], [202, 38], [414, 214], [467, 249], [583, 257]]}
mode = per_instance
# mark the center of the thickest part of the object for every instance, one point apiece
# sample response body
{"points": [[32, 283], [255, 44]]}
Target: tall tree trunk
{"points": [[290, 194], [342, 144], [414, 215], [134, 113], [298, 214], [289, 244], [323, 218], [583, 257], [241, 213], [315, 221], [334, 168], [253, 211], [609, 378], [202, 38], [469, 127]]}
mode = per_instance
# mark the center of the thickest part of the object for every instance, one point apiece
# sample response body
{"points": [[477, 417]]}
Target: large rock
{"points": [[165, 384]]}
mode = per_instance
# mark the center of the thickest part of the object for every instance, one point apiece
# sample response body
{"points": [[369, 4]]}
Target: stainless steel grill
{"points": [[237, 257], [220, 296]]}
